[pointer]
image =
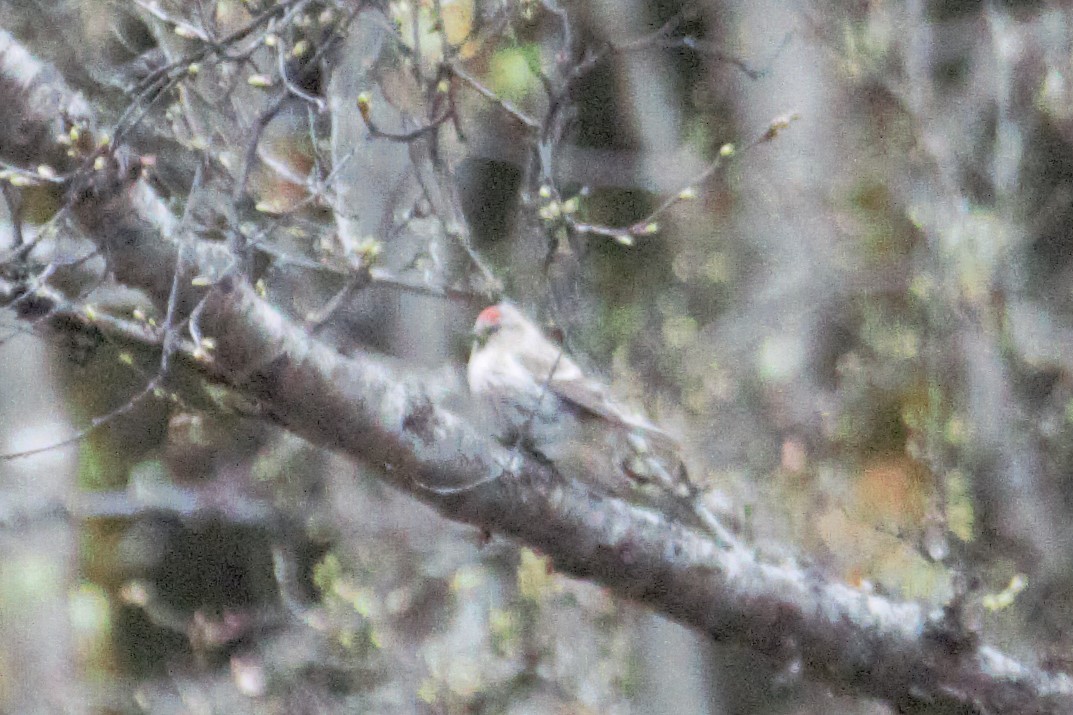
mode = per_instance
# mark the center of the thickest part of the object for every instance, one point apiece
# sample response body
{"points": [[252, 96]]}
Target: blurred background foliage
{"points": [[859, 327]]}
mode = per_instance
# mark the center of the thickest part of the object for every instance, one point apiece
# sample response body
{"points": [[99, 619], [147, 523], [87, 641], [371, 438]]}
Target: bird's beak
{"points": [[487, 324], [481, 333], [482, 330]]}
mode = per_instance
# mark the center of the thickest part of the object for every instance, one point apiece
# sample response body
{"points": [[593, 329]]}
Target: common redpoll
{"points": [[543, 402]]}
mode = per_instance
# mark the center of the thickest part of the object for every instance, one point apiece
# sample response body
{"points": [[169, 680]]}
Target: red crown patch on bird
{"points": [[489, 316]]}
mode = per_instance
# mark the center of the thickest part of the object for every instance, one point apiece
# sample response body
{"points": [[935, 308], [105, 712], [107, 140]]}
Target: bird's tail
{"points": [[672, 477]]}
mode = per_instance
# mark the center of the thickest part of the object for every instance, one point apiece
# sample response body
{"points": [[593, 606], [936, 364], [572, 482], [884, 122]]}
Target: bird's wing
{"points": [[568, 382]]}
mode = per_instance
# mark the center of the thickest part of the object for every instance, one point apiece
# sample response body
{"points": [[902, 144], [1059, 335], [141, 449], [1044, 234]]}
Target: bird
{"points": [[541, 401]]}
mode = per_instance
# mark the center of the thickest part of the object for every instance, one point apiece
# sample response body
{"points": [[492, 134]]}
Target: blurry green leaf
{"points": [[511, 73]]}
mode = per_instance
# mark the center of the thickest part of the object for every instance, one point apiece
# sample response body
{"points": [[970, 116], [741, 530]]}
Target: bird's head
{"points": [[499, 318]]}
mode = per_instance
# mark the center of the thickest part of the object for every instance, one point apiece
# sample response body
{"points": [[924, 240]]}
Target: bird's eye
{"points": [[484, 333], [485, 330]]}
